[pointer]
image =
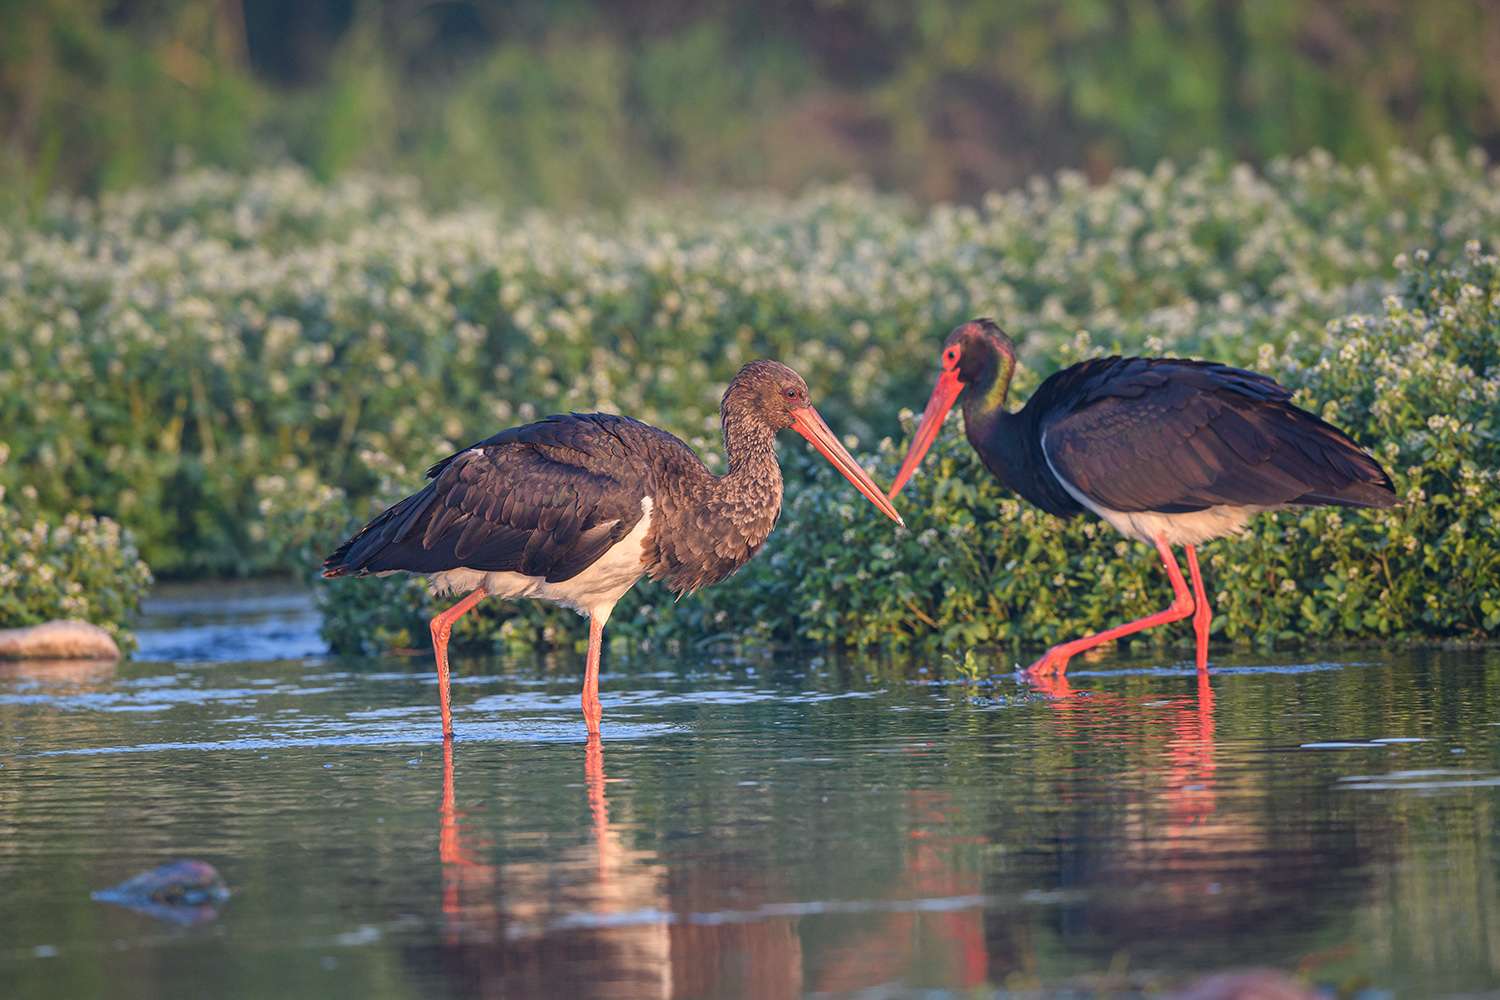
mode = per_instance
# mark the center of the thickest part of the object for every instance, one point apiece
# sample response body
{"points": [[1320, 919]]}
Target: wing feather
{"points": [[547, 500], [1169, 435]]}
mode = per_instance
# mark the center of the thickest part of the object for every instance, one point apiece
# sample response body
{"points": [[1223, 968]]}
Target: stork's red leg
{"points": [[1202, 613], [1055, 660], [442, 627], [592, 710]]}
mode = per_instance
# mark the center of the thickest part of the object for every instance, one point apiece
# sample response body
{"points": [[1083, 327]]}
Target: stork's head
{"points": [[765, 391], [977, 359], [979, 353], [772, 395]]}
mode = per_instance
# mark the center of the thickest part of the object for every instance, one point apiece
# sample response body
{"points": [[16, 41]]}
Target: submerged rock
{"points": [[59, 640], [184, 892]]}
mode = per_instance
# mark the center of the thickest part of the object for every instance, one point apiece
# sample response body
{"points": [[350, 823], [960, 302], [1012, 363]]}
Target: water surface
{"points": [[765, 827]]}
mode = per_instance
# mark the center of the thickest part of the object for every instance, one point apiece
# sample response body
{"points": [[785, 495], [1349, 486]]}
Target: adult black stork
{"points": [[575, 509], [1168, 451]]}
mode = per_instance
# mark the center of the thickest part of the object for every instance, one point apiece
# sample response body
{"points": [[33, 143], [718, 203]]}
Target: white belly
{"points": [[1192, 528], [594, 592]]}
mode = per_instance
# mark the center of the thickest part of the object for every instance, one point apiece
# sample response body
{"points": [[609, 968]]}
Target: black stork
{"points": [[575, 509], [1167, 451]]}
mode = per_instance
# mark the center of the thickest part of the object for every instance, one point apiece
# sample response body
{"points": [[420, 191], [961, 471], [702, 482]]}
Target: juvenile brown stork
{"points": [[1167, 451], [575, 509]]}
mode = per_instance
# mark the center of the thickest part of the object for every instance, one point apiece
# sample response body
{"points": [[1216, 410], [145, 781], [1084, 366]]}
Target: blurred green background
{"points": [[588, 101]]}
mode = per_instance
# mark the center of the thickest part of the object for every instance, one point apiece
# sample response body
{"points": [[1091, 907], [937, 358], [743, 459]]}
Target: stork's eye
{"points": [[790, 392], [950, 356]]}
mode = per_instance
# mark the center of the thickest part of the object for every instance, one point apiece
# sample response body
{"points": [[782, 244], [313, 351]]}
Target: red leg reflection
{"points": [[935, 872], [502, 922], [934, 868], [1188, 777], [1190, 781], [593, 776], [459, 870], [1053, 685]]}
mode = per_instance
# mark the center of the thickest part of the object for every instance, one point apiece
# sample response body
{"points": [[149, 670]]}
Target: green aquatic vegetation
{"points": [[163, 350], [75, 567], [970, 668]]}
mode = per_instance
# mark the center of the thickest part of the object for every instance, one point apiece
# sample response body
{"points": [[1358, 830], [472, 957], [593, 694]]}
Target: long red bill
{"points": [[807, 422], [938, 404]]}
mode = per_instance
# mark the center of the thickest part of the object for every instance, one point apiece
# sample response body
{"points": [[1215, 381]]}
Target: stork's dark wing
{"points": [[1169, 435], [546, 499]]}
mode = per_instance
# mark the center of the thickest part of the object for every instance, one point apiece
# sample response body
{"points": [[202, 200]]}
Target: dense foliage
{"points": [[220, 362], [1417, 379], [82, 568], [554, 102]]}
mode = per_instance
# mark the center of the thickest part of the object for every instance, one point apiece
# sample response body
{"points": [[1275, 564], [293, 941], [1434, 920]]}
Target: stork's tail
{"points": [[1356, 479], [355, 556]]}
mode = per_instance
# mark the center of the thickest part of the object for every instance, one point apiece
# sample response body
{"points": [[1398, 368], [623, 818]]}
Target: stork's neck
{"points": [[709, 526], [1010, 445], [997, 435], [984, 396], [754, 473]]}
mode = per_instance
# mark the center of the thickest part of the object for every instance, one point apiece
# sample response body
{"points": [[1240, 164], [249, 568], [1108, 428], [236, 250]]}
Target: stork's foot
{"points": [[1054, 663]]}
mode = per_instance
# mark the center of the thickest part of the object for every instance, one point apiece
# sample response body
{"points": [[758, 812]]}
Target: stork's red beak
{"points": [[938, 404], [807, 422]]}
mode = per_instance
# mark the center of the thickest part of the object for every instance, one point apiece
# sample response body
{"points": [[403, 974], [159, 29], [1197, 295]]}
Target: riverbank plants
{"points": [[1416, 379], [70, 567], [239, 369]]}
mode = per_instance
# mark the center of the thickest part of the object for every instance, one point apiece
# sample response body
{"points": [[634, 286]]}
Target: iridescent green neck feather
{"points": [[987, 383]]}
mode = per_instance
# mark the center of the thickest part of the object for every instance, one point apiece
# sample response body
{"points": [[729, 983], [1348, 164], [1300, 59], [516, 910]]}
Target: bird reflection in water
{"points": [[1157, 866], [1190, 777], [604, 919], [1188, 790], [914, 945]]}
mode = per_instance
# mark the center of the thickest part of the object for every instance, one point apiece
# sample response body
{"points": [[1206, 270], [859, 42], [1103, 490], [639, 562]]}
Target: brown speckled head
{"points": [[766, 392], [766, 397], [703, 535]]}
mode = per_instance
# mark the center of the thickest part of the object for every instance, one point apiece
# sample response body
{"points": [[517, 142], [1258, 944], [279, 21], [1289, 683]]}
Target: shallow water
{"points": [[761, 828]]}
